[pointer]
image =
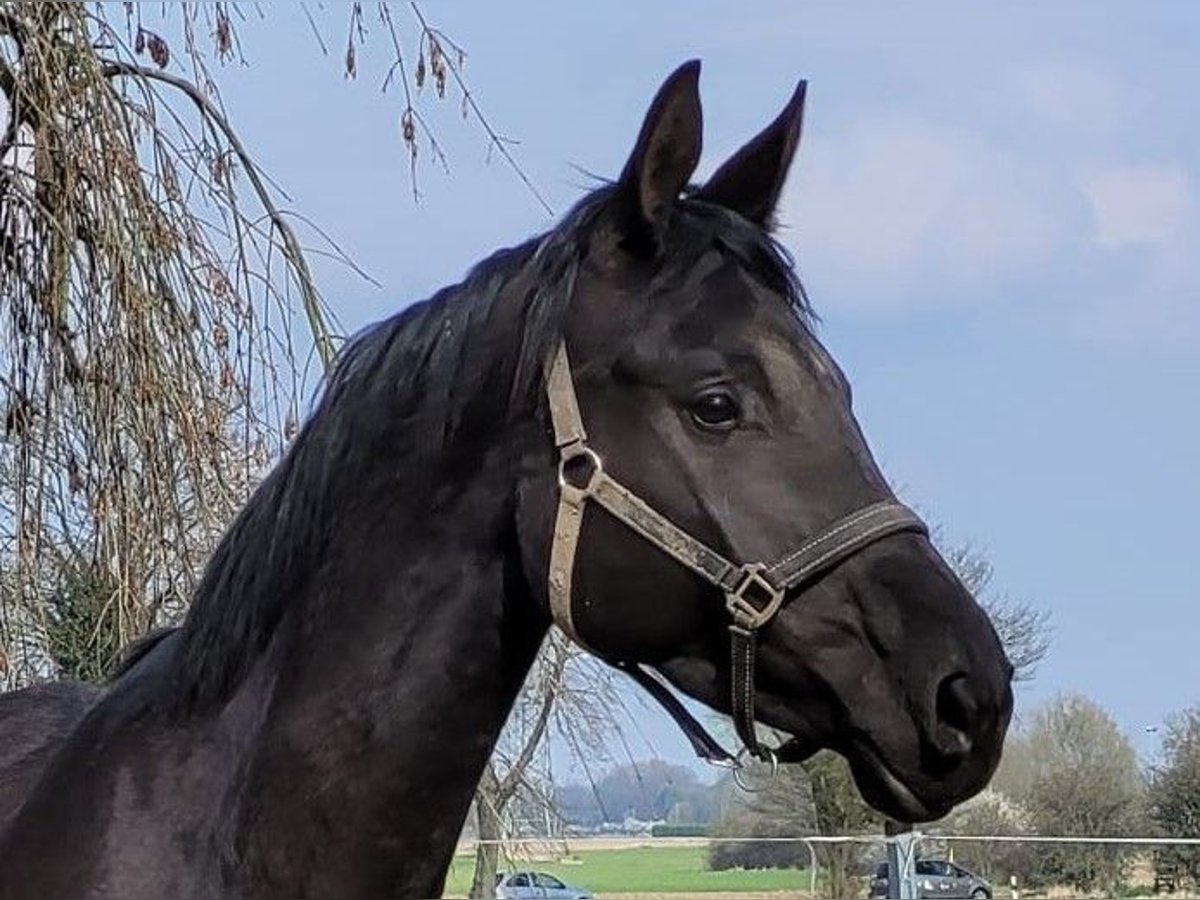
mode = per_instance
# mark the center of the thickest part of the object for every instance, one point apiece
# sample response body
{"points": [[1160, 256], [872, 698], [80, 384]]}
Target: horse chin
{"points": [[887, 792], [880, 784]]}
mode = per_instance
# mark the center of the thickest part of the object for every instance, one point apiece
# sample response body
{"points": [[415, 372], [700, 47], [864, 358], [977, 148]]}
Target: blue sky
{"points": [[996, 209]]}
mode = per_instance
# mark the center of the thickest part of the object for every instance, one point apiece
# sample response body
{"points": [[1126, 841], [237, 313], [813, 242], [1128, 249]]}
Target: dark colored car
{"points": [[937, 878]]}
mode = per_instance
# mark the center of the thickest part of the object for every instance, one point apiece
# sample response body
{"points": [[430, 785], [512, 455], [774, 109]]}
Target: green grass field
{"points": [[643, 870]]}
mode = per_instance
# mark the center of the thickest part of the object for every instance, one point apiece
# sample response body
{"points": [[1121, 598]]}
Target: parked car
{"points": [[536, 886], [937, 878]]}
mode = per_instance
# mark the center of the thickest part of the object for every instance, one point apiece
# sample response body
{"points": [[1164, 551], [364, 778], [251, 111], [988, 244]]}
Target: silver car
{"points": [[536, 886], [937, 878]]}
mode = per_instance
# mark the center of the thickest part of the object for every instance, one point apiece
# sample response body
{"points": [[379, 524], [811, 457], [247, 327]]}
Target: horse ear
{"points": [[751, 181], [665, 156]]}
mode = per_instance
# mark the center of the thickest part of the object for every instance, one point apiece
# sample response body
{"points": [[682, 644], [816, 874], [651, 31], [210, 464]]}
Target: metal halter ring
{"points": [[569, 455], [739, 767], [722, 762]]}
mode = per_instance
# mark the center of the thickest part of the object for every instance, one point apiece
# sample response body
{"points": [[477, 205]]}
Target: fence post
{"points": [[812, 872], [901, 853]]}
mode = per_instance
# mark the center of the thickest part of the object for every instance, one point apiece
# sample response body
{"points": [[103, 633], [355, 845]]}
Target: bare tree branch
{"points": [[311, 297], [551, 684], [500, 144], [147, 358], [1024, 629]]}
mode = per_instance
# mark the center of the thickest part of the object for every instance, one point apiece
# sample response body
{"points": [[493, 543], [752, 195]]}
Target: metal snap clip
{"points": [[739, 770]]}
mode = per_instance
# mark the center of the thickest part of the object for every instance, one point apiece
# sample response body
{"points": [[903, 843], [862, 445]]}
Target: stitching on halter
{"points": [[822, 538]]}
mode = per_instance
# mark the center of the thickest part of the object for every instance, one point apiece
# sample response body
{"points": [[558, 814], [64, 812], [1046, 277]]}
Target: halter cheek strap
{"points": [[753, 592]]}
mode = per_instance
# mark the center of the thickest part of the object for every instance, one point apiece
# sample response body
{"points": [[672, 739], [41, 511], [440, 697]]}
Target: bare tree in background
{"points": [[817, 796], [1024, 629], [1174, 795], [567, 692], [155, 304], [1085, 782]]}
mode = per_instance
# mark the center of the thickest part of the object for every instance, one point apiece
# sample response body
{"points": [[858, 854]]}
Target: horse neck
{"points": [[386, 707]]}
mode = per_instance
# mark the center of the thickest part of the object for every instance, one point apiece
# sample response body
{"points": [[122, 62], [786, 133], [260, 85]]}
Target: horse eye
{"points": [[715, 410]]}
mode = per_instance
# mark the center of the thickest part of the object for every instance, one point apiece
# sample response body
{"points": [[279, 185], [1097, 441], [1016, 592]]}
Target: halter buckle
{"points": [[754, 602]]}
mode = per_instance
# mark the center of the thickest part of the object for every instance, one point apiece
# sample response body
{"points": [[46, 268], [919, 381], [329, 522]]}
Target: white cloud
{"points": [[1072, 94], [897, 203], [898, 214], [1138, 204], [1150, 215]]}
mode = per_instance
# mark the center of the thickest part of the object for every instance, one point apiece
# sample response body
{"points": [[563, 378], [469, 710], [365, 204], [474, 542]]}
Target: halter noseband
{"points": [[754, 592]]}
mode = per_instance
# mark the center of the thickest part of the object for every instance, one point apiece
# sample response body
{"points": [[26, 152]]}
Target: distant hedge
{"points": [[681, 829], [724, 855]]}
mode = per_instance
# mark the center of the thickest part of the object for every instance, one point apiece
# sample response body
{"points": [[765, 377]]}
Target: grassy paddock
{"points": [[682, 870]]}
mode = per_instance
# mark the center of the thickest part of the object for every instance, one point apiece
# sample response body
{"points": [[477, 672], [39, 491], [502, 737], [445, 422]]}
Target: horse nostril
{"points": [[957, 710]]}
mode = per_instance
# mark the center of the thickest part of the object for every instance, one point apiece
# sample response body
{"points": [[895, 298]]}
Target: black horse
{"points": [[317, 726]]}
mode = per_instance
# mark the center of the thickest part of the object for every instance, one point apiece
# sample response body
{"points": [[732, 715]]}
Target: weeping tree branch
{"points": [[147, 361], [295, 255], [576, 696], [515, 776]]}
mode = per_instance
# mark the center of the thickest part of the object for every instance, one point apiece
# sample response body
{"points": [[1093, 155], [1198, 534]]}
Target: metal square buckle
{"points": [[754, 602]]}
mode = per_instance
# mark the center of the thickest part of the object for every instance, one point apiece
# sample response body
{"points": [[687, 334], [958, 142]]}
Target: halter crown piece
{"points": [[754, 592]]}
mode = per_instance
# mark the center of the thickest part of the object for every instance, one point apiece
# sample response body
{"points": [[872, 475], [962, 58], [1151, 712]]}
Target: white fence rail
{"points": [[1135, 865]]}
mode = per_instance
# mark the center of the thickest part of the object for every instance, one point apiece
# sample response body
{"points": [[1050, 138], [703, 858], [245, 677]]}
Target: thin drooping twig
{"points": [[411, 114], [140, 352], [564, 688], [311, 297], [496, 141], [551, 684]]}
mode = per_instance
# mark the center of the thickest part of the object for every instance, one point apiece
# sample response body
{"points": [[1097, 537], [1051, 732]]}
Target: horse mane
{"points": [[469, 357], [138, 649]]}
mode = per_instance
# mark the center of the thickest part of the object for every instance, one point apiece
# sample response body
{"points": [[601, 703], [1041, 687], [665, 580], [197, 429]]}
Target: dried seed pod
{"points": [[220, 170], [74, 476], [19, 416], [159, 51], [437, 63], [224, 33]]}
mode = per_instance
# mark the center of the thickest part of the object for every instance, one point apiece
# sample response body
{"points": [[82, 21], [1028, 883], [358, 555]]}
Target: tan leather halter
{"points": [[753, 591]]}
